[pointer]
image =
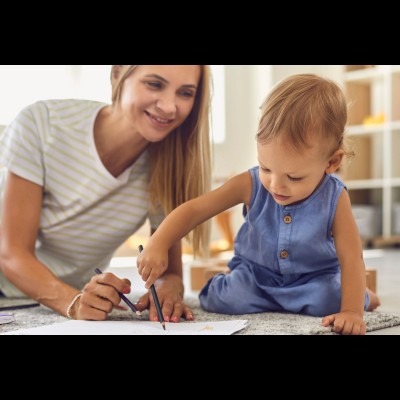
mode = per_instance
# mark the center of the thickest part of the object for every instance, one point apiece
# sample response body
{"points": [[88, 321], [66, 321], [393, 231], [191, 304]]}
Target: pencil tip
{"points": [[163, 325]]}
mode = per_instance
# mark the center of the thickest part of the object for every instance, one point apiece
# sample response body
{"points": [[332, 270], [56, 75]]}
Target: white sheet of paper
{"points": [[6, 318], [135, 328]]}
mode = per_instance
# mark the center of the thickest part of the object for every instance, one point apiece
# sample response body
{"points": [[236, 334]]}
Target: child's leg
{"points": [[374, 300], [322, 295], [236, 293], [325, 295]]}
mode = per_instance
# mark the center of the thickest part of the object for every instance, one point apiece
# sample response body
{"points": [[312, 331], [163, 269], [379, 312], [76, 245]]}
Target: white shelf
{"points": [[373, 183], [365, 184], [365, 75], [356, 130], [395, 125], [395, 182], [382, 89], [396, 69]]}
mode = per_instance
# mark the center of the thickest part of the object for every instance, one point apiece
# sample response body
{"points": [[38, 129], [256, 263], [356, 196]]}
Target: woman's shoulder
{"points": [[68, 106], [60, 108]]}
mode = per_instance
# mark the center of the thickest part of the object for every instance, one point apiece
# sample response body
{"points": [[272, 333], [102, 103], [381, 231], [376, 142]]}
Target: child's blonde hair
{"points": [[303, 109], [181, 163]]}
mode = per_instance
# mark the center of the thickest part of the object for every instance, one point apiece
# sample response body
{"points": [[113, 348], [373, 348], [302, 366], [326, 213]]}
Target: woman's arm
{"points": [[349, 251], [153, 261], [22, 207]]}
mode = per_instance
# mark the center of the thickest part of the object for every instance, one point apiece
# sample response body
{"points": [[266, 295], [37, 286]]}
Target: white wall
{"points": [[246, 86], [334, 72]]}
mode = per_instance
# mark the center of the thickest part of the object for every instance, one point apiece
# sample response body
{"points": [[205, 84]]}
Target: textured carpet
{"points": [[292, 324], [258, 324]]}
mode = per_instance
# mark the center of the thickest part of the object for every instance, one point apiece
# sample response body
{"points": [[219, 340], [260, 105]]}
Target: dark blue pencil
{"points": [[156, 301], [124, 298]]}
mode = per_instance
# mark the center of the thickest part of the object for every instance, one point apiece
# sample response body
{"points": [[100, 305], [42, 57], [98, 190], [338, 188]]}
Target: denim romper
{"points": [[285, 258]]}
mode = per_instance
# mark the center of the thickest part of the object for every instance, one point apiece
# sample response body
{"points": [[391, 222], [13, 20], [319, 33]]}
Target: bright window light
{"points": [[218, 104], [22, 85]]}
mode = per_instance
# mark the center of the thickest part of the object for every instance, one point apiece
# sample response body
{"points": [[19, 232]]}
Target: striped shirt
{"points": [[86, 212]]}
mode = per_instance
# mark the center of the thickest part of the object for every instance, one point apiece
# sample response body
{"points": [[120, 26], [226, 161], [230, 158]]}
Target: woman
{"points": [[82, 176]]}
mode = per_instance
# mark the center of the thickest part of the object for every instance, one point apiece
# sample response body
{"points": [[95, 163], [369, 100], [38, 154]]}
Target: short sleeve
{"points": [[21, 147], [156, 216]]}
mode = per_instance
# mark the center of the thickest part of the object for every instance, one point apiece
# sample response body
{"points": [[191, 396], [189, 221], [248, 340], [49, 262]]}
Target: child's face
{"points": [[290, 176]]}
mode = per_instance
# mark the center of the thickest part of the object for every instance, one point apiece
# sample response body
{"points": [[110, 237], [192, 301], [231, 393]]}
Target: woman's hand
{"points": [[170, 293], [99, 297]]}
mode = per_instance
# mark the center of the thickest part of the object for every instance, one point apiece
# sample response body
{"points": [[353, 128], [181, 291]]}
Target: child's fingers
{"points": [[140, 267], [151, 278], [348, 328], [328, 320], [145, 274], [338, 325]]}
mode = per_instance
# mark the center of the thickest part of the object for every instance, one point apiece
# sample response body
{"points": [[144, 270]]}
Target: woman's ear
{"points": [[115, 72], [334, 161]]}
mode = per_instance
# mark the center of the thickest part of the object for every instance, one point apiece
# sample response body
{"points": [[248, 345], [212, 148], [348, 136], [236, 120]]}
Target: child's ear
{"points": [[334, 161]]}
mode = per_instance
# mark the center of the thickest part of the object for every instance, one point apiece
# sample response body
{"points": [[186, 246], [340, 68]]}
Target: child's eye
{"points": [[266, 170], [294, 179]]}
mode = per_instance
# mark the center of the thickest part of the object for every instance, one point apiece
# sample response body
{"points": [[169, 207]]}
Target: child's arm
{"points": [[153, 261], [349, 250]]}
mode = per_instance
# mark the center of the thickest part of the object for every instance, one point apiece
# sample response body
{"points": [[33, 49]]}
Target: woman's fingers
{"points": [[101, 295]]}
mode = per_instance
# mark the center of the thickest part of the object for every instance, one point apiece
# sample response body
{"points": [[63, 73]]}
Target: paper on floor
{"points": [[135, 328], [6, 318]]}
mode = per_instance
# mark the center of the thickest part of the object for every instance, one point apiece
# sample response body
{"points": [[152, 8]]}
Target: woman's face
{"points": [[156, 99]]}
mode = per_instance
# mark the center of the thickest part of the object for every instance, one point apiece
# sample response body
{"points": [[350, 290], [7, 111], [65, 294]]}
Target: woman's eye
{"points": [[187, 93], [154, 85]]}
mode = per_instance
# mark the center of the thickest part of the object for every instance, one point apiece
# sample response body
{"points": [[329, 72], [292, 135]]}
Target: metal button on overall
{"points": [[284, 254], [287, 219]]}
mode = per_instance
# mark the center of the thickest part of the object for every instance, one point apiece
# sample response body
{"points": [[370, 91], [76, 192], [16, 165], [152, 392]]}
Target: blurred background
{"points": [[373, 178]]}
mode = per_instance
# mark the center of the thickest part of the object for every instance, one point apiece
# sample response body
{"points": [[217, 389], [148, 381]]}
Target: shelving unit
{"points": [[373, 177]]}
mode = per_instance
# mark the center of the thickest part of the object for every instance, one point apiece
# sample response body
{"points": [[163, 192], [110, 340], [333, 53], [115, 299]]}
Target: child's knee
{"points": [[218, 296], [326, 303]]}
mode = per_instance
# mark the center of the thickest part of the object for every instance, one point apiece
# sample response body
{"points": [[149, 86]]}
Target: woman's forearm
{"points": [[34, 279]]}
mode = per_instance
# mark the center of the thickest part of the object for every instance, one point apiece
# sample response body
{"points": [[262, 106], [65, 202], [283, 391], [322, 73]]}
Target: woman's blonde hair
{"points": [[181, 163], [305, 108]]}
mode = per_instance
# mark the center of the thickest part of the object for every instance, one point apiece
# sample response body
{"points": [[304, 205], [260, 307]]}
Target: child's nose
{"points": [[276, 184]]}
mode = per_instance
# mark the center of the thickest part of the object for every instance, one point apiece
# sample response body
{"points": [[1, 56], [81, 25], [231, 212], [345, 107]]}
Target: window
{"points": [[22, 85], [218, 104]]}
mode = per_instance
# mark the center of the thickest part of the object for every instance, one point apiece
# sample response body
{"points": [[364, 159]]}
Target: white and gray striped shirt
{"points": [[86, 213]]}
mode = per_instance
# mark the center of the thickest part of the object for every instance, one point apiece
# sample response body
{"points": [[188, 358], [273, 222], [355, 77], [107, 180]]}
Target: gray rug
{"points": [[258, 324]]}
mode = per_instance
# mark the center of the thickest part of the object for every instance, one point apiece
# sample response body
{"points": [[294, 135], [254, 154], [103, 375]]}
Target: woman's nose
{"points": [[167, 105]]}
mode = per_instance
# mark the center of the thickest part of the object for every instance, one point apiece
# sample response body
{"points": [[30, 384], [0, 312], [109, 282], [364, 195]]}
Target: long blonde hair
{"points": [[181, 163]]}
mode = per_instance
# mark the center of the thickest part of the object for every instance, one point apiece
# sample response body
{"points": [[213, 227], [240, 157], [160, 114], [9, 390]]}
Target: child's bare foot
{"points": [[374, 301]]}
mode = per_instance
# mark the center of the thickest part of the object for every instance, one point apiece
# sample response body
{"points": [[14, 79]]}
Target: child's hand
{"points": [[152, 264], [346, 323]]}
